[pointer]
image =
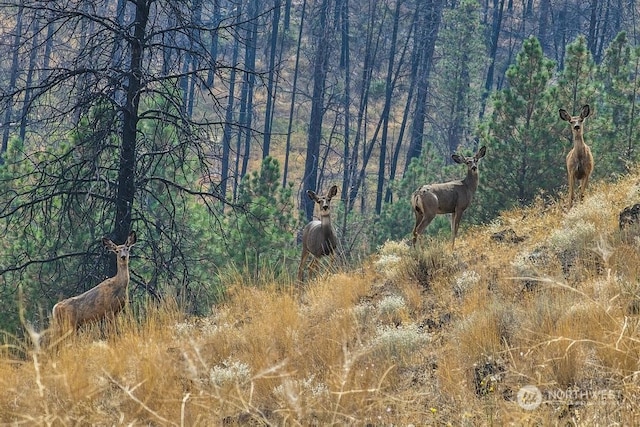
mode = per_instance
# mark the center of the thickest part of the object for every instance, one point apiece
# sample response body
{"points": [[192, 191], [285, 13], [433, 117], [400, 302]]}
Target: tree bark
{"points": [[13, 77], [271, 86], [386, 110], [425, 47], [320, 65], [126, 172], [496, 26], [294, 90]]}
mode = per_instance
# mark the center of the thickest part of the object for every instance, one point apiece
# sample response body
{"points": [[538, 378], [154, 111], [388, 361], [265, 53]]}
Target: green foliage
{"points": [[617, 120], [576, 84], [523, 157], [37, 250], [57, 204], [458, 76], [262, 236]]}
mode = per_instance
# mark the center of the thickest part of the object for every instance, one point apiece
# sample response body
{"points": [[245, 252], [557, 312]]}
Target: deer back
{"points": [[107, 298]]}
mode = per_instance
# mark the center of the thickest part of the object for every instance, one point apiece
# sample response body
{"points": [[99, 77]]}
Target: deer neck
{"points": [[578, 141], [471, 180], [325, 222], [122, 275], [325, 226]]}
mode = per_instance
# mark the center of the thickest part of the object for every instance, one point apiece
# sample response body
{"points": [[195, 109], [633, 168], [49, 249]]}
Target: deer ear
{"points": [[457, 158], [586, 110], [312, 195], [564, 115], [132, 238], [333, 191], [108, 243], [481, 152]]}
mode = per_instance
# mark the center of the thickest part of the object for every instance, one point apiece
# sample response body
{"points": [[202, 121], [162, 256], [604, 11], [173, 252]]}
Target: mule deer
{"points": [[101, 301], [579, 159], [318, 237], [452, 197]]}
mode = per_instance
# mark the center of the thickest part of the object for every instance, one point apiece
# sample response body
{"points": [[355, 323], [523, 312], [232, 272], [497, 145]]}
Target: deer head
{"points": [[576, 121], [323, 202]]}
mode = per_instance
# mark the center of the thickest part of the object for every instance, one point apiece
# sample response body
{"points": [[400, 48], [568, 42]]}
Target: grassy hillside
{"points": [[541, 301]]}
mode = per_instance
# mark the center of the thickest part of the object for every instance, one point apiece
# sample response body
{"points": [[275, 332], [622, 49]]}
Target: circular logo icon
{"points": [[529, 397]]}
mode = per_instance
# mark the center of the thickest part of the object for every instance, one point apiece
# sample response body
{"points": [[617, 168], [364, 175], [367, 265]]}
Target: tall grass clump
{"points": [[426, 262]]}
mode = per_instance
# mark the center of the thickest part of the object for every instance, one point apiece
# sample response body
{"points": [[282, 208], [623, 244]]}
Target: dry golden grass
{"points": [[421, 336]]}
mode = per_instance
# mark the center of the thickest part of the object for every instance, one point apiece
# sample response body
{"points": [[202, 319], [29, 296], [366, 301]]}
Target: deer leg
{"points": [[425, 212], [455, 223], [583, 186], [313, 267], [571, 183], [301, 266], [427, 217], [419, 218]]}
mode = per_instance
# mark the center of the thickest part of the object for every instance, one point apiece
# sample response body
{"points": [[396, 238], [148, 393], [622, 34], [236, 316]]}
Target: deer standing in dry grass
{"points": [[318, 236], [579, 159], [102, 301], [452, 197]]}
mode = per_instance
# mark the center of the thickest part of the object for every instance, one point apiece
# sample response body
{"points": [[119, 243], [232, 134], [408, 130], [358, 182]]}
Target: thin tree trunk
{"points": [[46, 60], [593, 27], [347, 110], [248, 84], [126, 171], [320, 66], [29, 79], [294, 90], [426, 47], [287, 15], [196, 17], [213, 49], [632, 113], [8, 113], [116, 51], [271, 90], [86, 30], [407, 109], [496, 26], [353, 165], [387, 109], [228, 120]]}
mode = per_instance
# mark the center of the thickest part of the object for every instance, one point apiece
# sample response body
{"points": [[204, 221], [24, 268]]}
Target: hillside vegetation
{"points": [[543, 299]]}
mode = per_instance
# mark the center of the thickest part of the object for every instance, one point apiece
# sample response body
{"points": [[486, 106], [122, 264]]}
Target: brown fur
{"points": [[452, 197], [579, 159], [102, 301], [318, 237]]}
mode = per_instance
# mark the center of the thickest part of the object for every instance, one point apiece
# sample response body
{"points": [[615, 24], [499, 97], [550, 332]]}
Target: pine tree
{"points": [[618, 119], [523, 157], [576, 82], [458, 78], [263, 236], [576, 86]]}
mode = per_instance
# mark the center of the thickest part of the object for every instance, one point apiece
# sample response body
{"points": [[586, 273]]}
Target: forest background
{"points": [[201, 124]]}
